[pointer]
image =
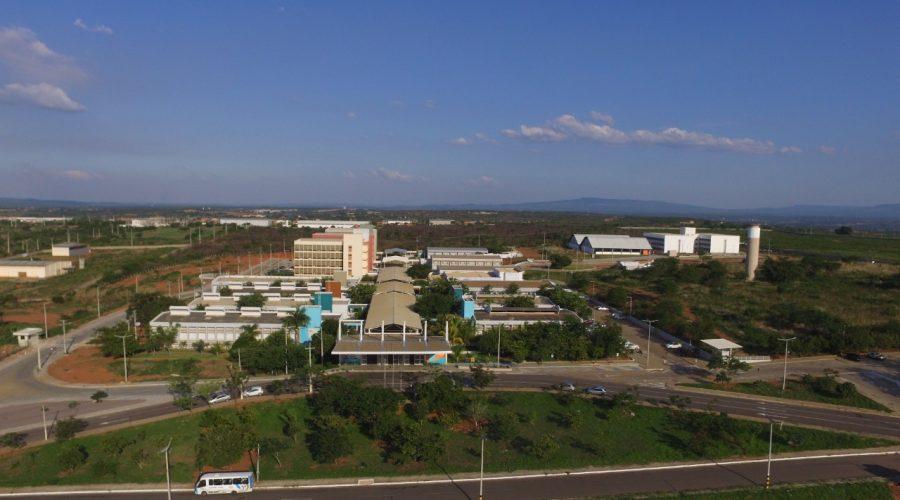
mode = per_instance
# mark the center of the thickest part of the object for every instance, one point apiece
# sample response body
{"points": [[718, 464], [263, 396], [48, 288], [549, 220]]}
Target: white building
{"points": [[69, 249], [614, 244], [441, 222], [688, 241], [398, 222], [37, 269], [241, 221], [324, 224], [26, 336], [447, 251], [150, 222], [575, 241], [325, 254]]}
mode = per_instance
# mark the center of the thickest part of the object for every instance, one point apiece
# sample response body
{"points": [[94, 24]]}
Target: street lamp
{"points": [[784, 379], [125, 354], [481, 477], [649, 327], [769, 461], [65, 344], [165, 451]]}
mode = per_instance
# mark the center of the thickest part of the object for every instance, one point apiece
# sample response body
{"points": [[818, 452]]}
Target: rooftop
{"points": [[617, 241], [69, 244], [721, 344], [24, 262], [392, 344]]}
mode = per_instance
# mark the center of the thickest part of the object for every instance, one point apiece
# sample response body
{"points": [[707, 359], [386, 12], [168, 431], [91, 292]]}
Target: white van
{"points": [[221, 483]]}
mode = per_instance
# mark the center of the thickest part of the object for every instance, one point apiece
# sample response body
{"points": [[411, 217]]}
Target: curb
{"points": [[785, 401]]}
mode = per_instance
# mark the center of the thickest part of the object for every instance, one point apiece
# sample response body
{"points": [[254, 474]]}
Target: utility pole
{"points": [[769, 460], [499, 333], [257, 453], [481, 476], [125, 354], [165, 451], [309, 366], [784, 379], [65, 344], [649, 328], [44, 420], [46, 331], [98, 301]]}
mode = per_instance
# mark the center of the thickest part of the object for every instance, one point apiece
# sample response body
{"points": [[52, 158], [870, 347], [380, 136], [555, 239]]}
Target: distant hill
{"points": [[660, 208]]}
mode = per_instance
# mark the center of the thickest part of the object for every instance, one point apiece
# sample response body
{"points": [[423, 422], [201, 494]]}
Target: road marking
{"points": [[463, 480]]}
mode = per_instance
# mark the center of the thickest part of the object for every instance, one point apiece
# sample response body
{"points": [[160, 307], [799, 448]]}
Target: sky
{"points": [[716, 103]]}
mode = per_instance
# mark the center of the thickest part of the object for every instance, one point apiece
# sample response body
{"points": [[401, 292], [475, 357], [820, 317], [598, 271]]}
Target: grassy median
{"points": [[803, 389], [548, 431]]}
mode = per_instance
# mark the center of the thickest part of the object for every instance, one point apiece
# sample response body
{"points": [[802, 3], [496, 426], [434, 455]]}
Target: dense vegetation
{"points": [[348, 430], [570, 341]]}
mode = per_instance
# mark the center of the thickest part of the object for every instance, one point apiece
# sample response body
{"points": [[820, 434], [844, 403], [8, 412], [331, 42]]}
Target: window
{"points": [[201, 483], [216, 482]]}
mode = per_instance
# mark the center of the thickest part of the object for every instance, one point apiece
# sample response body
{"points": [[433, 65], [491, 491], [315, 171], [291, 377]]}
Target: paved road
{"points": [[736, 474]]}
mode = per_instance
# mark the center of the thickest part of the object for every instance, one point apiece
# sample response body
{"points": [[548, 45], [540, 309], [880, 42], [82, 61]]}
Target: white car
{"points": [[598, 390], [252, 391], [673, 345], [631, 346], [602, 308], [218, 397]]}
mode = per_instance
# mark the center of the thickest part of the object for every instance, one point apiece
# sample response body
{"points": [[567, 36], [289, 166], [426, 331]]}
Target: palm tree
{"points": [[250, 330], [295, 321]]}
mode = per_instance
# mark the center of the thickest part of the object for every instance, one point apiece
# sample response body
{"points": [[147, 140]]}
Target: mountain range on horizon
{"points": [[611, 206]]}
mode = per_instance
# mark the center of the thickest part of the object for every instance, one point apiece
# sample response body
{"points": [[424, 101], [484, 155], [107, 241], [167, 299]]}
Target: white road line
{"points": [[466, 480]]}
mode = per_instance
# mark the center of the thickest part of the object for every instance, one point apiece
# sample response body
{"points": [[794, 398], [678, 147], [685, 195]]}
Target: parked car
{"points": [[877, 356], [565, 387], [218, 397], [852, 356], [673, 345], [255, 390], [602, 308], [597, 390], [631, 346]]}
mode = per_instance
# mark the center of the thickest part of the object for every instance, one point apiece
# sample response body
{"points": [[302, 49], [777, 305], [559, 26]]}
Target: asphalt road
{"points": [[648, 480]]}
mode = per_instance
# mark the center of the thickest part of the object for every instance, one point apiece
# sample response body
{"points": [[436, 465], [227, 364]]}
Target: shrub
{"points": [[99, 396], [543, 447], [66, 429], [71, 456], [328, 438], [13, 439], [502, 426]]}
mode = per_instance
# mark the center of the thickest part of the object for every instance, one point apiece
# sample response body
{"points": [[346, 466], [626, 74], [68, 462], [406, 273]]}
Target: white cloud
{"points": [[40, 94], [348, 174], [483, 181], [538, 134], [78, 175], [351, 115], [391, 175], [827, 150], [97, 28], [478, 137], [602, 118], [569, 127], [30, 59]]}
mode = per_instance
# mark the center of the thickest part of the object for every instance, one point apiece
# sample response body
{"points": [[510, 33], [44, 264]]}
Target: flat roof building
{"points": [[325, 254], [324, 224], [243, 221], [69, 249], [35, 269], [687, 241]]}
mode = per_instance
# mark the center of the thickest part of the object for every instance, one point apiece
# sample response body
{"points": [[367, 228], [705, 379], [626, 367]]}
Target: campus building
{"points": [[688, 241], [392, 332], [69, 249], [614, 244], [348, 250], [325, 224]]}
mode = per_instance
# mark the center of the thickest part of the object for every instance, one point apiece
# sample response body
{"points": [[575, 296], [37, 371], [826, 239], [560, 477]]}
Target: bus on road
{"points": [[222, 483]]}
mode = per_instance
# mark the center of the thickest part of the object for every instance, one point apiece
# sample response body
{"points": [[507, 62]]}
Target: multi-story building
{"points": [[687, 241], [351, 251], [324, 224]]}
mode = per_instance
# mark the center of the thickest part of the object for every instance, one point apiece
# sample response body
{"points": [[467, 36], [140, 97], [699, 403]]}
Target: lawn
{"points": [[858, 490], [161, 365], [601, 436], [796, 389]]}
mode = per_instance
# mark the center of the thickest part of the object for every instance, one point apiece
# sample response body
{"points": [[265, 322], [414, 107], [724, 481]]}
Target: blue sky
{"points": [[727, 104]]}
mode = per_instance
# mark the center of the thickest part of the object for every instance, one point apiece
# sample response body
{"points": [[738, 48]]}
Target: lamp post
{"points": [[649, 328], [165, 451], [481, 476], [309, 350], [65, 344], [784, 378], [125, 354]]}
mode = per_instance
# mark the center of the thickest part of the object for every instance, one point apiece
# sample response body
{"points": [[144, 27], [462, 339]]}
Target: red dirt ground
{"points": [[85, 365], [35, 317]]}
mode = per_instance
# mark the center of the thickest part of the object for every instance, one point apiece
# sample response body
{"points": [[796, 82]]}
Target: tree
{"points": [[67, 428], [502, 426], [329, 438], [419, 271], [512, 289], [543, 447], [481, 377], [844, 230], [559, 261], [291, 424], [361, 293], [235, 382], [110, 341], [295, 321], [146, 306], [71, 456], [13, 439], [99, 396], [617, 297], [225, 291], [519, 301], [224, 435], [199, 346], [253, 300]]}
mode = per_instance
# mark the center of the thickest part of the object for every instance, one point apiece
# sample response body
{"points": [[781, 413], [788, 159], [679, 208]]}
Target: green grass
{"points": [[857, 490], [648, 436], [796, 389], [160, 365]]}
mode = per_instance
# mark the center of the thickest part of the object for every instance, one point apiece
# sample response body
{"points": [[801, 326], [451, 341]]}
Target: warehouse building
{"points": [[69, 249], [325, 224], [614, 244], [34, 269], [242, 221], [216, 325], [392, 332], [688, 241]]}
